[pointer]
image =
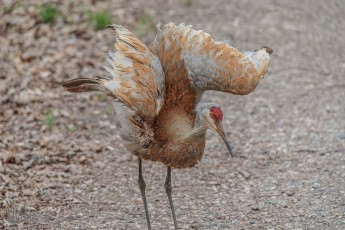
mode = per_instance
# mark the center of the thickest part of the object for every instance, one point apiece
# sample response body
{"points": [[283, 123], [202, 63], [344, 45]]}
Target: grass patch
{"points": [[6, 10], [18, 5], [49, 120], [144, 25], [9, 9], [110, 111], [188, 2], [48, 13], [100, 19], [71, 128], [101, 97]]}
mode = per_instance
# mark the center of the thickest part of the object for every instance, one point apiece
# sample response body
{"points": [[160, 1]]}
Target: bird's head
{"points": [[260, 59], [211, 116]]}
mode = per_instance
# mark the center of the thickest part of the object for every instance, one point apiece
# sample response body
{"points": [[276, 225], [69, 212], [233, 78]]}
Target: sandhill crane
{"points": [[157, 91]]}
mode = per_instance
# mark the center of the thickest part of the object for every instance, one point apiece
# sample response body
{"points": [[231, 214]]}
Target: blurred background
{"points": [[62, 163]]}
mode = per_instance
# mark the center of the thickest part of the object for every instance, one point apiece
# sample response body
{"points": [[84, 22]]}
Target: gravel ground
{"points": [[63, 165]]}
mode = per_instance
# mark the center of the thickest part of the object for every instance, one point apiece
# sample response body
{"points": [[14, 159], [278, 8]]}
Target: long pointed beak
{"points": [[220, 131]]}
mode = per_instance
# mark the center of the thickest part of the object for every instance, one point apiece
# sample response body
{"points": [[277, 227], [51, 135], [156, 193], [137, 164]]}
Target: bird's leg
{"points": [[142, 187], [168, 190]]}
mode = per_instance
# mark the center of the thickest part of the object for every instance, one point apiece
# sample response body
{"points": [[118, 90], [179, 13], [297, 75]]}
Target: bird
{"points": [[156, 93]]}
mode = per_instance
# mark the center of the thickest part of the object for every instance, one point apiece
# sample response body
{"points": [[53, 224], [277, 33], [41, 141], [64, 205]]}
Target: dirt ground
{"points": [[63, 165]]}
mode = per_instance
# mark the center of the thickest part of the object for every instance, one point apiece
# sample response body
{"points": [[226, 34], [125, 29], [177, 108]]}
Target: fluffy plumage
{"points": [[157, 90]]}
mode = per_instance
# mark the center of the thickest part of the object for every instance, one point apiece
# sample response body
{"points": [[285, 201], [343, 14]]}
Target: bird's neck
{"points": [[199, 129]]}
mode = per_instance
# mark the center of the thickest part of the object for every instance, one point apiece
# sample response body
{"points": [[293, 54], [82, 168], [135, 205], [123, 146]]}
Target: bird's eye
{"points": [[212, 115]]}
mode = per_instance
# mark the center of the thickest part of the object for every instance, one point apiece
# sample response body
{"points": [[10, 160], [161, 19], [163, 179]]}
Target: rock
{"points": [[245, 174], [255, 207], [2, 169], [82, 159], [7, 156], [31, 53], [31, 162], [99, 164], [109, 148], [290, 193]]}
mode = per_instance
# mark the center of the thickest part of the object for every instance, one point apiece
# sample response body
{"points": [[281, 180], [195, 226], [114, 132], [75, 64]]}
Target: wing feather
{"points": [[136, 81], [209, 65], [136, 75], [178, 90]]}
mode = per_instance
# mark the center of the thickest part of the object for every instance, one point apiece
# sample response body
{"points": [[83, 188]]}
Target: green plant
{"points": [[188, 2], [71, 128], [110, 111], [48, 13], [49, 119], [18, 5], [6, 10], [99, 19], [144, 25], [101, 97], [10, 8]]}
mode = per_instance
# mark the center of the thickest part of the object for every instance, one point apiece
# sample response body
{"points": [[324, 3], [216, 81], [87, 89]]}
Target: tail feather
{"points": [[135, 75], [80, 85]]}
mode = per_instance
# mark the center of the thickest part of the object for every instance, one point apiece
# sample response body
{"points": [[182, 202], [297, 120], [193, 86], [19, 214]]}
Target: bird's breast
{"points": [[173, 125], [172, 144], [178, 153]]}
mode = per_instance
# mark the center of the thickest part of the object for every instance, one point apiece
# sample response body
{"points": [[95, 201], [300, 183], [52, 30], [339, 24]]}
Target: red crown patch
{"points": [[216, 113]]}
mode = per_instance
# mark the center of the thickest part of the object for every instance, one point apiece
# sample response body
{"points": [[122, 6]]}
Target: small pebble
{"points": [[255, 208], [290, 193], [82, 159]]}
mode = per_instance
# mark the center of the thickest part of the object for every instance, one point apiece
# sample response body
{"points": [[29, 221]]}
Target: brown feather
{"points": [[80, 85], [78, 81], [159, 88]]}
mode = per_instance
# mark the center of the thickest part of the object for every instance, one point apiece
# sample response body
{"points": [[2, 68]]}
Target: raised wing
{"points": [[178, 90], [207, 64], [136, 76]]}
